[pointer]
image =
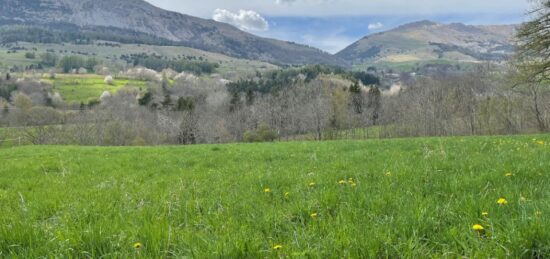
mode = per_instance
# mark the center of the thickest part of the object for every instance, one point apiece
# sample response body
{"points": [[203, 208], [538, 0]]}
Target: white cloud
{"points": [[247, 20], [375, 26]]}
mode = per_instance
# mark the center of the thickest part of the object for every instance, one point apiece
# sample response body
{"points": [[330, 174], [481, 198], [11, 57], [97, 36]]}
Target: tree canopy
{"points": [[534, 44]]}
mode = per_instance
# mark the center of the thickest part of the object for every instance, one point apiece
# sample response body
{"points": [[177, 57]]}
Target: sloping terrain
{"points": [[105, 19], [109, 52], [425, 40]]}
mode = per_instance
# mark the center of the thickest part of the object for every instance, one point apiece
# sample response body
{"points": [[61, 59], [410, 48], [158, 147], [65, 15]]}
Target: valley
{"points": [[185, 129]]}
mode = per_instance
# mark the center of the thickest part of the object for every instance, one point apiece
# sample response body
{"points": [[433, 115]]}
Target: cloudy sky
{"points": [[333, 24]]}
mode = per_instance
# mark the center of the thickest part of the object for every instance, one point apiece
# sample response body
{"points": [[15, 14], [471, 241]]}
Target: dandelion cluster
{"points": [[349, 181]]}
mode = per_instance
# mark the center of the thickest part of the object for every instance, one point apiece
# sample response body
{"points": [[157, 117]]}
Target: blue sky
{"points": [[332, 25]]}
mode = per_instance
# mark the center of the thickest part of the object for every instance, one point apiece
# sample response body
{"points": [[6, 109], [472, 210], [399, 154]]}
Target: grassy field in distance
{"points": [[415, 198], [84, 88], [229, 66]]}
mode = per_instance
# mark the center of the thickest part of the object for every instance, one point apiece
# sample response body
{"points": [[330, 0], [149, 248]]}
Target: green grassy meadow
{"points": [[85, 88], [412, 198], [231, 68]]}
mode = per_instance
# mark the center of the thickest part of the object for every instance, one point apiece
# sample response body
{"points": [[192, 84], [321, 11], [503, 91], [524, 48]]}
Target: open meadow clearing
{"points": [[86, 88], [428, 197]]}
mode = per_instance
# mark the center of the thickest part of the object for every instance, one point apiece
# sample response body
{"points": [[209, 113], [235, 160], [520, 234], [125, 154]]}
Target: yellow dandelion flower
{"points": [[353, 184], [342, 182], [267, 190], [540, 142], [287, 194], [314, 215], [484, 214], [388, 173], [312, 184], [277, 247], [508, 174], [502, 201], [478, 227], [138, 245]]}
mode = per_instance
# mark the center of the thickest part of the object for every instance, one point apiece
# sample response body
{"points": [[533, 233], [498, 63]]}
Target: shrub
{"points": [[138, 141], [145, 99], [3, 106], [184, 76], [30, 55], [49, 59], [101, 70], [262, 134], [82, 71], [145, 74], [22, 101], [109, 80], [6, 90], [104, 96]]}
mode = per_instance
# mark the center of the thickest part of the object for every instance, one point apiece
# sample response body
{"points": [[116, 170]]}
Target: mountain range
{"points": [[138, 16], [137, 20], [426, 40]]}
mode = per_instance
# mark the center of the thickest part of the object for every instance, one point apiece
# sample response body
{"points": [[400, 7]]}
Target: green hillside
{"points": [[412, 198], [110, 54]]}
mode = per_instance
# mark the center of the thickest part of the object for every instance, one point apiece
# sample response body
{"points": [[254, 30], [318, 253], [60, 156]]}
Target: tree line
{"points": [[312, 102]]}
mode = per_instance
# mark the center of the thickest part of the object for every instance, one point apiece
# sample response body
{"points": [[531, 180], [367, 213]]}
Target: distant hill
{"points": [[430, 41], [136, 21]]}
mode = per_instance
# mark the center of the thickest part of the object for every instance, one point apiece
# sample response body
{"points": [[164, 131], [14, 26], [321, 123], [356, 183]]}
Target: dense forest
{"points": [[68, 33]]}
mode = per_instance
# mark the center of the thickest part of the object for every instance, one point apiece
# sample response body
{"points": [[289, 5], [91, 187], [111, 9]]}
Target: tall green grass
{"points": [[415, 198]]}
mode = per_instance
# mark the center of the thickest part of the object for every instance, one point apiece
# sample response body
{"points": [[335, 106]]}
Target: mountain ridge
{"points": [[142, 22], [428, 40], [143, 17]]}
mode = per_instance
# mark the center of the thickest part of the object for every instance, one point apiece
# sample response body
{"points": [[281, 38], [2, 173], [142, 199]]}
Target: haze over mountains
{"points": [[419, 41]]}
